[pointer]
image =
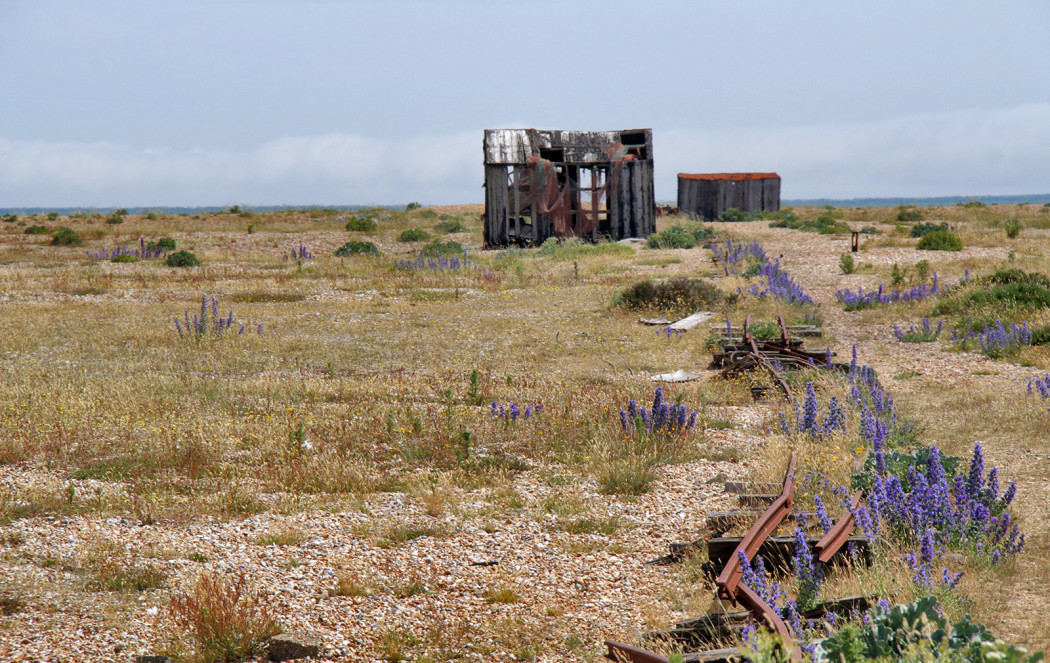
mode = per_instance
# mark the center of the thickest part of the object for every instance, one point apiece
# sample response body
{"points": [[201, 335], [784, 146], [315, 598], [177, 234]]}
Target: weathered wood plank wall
{"points": [[707, 196]]}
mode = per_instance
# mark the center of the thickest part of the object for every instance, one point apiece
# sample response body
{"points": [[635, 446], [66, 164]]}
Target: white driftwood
{"points": [[678, 376], [692, 321]]}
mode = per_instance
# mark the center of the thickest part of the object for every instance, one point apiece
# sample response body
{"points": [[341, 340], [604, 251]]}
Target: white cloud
{"points": [[972, 152], [331, 168]]}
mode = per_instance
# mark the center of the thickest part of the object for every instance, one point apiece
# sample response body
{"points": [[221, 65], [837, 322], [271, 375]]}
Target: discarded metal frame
{"points": [[753, 359]]}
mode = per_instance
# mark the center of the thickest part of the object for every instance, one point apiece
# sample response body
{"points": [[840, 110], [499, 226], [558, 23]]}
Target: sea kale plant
{"points": [[208, 323], [662, 419]]}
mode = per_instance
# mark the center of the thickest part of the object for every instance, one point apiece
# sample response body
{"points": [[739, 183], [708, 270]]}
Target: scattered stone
{"points": [[152, 658], [293, 645]]}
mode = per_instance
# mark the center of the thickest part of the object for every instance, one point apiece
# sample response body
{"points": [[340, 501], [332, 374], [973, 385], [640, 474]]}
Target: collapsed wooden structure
{"points": [[709, 195], [589, 184]]}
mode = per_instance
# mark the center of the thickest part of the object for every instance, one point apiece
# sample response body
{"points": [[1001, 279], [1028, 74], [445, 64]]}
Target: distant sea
{"points": [[939, 201]]}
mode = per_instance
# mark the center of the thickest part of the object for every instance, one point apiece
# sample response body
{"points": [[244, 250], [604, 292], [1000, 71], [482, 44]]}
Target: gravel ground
{"points": [[594, 586]]}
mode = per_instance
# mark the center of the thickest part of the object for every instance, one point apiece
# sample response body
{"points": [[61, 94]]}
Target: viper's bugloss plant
{"points": [[962, 512], [814, 420], [301, 254], [778, 285], [663, 418], [855, 301], [209, 323], [144, 252], [996, 340], [511, 412], [735, 255], [924, 333]]}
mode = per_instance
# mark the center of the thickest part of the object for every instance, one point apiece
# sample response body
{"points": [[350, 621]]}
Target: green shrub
{"points": [[182, 259], [922, 270], [361, 224], [940, 240], [125, 257], [1012, 228], [669, 239], [907, 215], [9, 218], [356, 248], [450, 226], [897, 275], [700, 233], [413, 235], [36, 230], [1013, 275], [64, 236], [733, 215], [1005, 290], [825, 224], [573, 248], [676, 295], [165, 244], [924, 229], [412, 206], [846, 263], [1041, 335], [116, 217], [53, 216], [443, 248]]}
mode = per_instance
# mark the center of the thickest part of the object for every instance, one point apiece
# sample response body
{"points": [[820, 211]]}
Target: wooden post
{"points": [[855, 241]]}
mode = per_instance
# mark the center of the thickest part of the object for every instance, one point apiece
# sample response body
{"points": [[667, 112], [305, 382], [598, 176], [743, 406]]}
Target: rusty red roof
{"points": [[733, 177]]}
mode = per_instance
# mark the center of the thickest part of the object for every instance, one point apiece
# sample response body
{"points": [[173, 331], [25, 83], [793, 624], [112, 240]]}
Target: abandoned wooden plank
{"points": [[678, 376], [691, 321], [755, 499], [654, 321]]}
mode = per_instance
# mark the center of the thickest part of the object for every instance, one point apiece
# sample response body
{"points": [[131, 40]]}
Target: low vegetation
{"points": [[381, 407]]}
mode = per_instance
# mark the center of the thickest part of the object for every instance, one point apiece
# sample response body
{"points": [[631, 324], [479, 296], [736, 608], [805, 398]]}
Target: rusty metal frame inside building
{"points": [[587, 184]]}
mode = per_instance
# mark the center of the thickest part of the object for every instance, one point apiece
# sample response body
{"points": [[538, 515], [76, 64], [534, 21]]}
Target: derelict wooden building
{"points": [[590, 184], [708, 195]]}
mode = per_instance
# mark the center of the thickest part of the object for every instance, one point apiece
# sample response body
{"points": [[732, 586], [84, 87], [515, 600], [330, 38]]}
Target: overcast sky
{"points": [[216, 102]]}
